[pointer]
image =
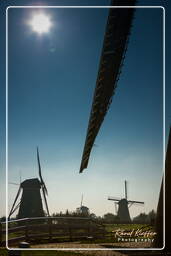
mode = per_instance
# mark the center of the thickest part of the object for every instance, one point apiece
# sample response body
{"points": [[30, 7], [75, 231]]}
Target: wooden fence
{"points": [[59, 229]]}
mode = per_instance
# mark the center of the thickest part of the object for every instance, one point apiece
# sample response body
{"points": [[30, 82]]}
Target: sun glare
{"points": [[40, 23]]}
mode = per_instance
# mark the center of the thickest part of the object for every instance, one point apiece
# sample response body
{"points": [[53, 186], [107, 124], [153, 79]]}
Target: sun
{"points": [[40, 23]]}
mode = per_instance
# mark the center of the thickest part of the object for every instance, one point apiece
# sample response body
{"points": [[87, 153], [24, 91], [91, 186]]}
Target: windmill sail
{"points": [[40, 172], [113, 198], [125, 189], [113, 54], [44, 189], [81, 200], [136, 202], [46, 205], [12, 209]]}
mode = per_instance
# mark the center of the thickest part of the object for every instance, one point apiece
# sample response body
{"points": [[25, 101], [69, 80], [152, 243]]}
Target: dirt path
{"points": [[105, 248]]}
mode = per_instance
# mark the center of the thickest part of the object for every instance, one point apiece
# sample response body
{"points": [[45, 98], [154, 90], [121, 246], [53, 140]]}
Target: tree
{"points": [[142, 218], [152, 217], [67, 213], [110, 218], [3, 219], [93, 216]]}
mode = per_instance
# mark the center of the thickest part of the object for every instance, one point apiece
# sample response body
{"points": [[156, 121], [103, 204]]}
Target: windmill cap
{"points": [[31, 183]]}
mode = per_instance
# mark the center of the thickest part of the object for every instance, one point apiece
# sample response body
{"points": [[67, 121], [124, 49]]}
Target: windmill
{"points": [[83, 210], [30, 204], [123, 206]]}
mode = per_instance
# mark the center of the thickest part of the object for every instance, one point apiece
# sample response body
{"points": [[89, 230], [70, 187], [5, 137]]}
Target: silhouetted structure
{"points": [[83, 210], [123, 204], [159, 241], [30, 204], [113, 54]]}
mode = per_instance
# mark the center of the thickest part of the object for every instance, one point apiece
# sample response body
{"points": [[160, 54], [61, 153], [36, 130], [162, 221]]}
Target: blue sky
{"points": [[51, 84]]}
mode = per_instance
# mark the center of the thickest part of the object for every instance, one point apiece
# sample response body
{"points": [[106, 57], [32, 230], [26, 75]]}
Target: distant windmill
{"points": [[84, 210], [30, 204], [81, 201], [123, 204]]}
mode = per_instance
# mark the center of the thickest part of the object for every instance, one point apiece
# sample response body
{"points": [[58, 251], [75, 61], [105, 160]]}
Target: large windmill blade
{"points": [[12, 209], [112, 58], [40, 173], [45, 200]]}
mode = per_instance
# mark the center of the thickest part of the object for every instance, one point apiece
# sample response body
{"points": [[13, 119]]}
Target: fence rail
{"points": [[50, 228]]}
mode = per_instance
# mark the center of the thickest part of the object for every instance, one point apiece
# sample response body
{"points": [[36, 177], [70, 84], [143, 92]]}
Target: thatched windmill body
{"points": [[30, 204], [123, 206]]}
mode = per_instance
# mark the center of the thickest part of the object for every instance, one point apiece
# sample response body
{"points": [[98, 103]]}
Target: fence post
{"points": [[70, 231], [89, 228], [50, 228], [26, 230]]}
